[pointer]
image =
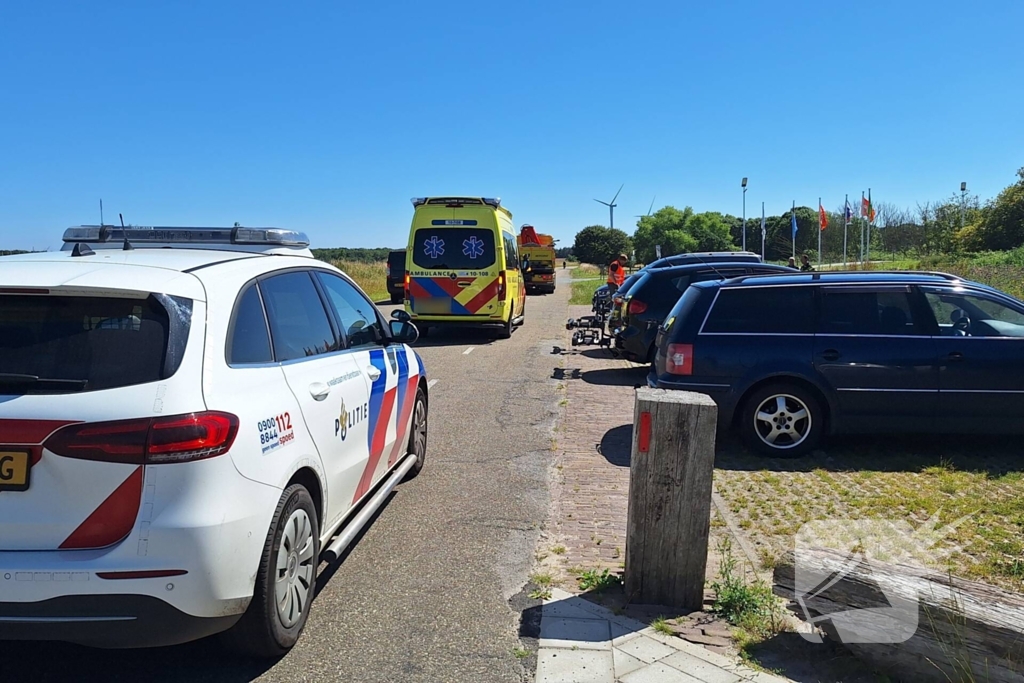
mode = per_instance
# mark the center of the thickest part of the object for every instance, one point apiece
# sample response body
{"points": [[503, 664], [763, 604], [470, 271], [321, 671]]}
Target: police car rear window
{"points": [[72, 344], [462, 248]]}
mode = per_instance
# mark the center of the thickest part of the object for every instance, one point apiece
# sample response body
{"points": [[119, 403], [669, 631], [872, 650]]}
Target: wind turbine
{"points": [[649, 209], [611, 206]]}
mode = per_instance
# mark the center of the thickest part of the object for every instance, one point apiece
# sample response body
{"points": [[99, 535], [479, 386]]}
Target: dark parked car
{"points": [[690, 257], [789, 358], [647, 302], [396, 276]]}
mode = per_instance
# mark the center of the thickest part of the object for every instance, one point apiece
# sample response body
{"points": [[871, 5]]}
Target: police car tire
{"points": [[260, 633], [420, 449]]}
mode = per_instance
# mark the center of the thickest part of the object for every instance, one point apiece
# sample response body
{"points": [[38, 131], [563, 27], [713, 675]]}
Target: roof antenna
{"points": [[127, 245]]}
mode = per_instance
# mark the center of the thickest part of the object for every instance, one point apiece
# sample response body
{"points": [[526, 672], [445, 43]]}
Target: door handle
{"points": [[373, 373], [955, 356], [830, 355], [319, 391]]}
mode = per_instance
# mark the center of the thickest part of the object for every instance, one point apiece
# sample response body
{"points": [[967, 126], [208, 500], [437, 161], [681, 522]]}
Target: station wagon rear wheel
{"points": [[782, 420], [285, 581]]}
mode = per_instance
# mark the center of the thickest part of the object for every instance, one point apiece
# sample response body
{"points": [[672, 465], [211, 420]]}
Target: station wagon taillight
{"points": [[679, 359], [636, 307], [148, 441]]}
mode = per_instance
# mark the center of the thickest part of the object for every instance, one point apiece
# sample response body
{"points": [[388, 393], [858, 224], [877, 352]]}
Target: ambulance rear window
{"points": [[453, 248]]}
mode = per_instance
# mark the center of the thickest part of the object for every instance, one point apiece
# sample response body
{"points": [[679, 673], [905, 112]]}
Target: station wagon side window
{"points": [[972, 314], [762, 310], [299, 326], [854, 310], [356, 314], [249, 338]]}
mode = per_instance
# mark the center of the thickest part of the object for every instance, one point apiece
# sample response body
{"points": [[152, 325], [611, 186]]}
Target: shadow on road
{"points": [[458, 336], [617, 445], [617, 377]]}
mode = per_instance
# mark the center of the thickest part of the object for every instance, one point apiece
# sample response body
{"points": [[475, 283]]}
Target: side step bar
{"points": [[356, 524]]}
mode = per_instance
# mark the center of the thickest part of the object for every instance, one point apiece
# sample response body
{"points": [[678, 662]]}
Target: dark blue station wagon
{"points": [[790, 358]]}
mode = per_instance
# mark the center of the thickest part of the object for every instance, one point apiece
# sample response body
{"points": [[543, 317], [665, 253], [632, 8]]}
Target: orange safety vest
{"points": [[616, 273]]}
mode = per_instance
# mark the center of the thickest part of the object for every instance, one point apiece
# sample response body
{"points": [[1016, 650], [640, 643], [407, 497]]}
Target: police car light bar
{"points": [[141, 235]]}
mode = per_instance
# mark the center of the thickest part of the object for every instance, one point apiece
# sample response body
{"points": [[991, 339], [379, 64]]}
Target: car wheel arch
{"points": [[820, 395], [308, 479]]}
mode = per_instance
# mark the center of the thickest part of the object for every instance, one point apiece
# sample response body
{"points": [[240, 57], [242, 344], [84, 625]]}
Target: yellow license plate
{"points": [[14, 470]]}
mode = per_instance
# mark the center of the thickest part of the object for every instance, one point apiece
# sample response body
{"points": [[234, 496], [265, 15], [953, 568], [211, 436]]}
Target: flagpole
{"points": [[862, 229], [846, 226], [867, 241], [820, 230], [762, 231], [792, 217]]}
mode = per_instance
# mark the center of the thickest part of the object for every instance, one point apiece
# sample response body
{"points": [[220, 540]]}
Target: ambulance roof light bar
{"points": [[449, 201], [141, 235]]}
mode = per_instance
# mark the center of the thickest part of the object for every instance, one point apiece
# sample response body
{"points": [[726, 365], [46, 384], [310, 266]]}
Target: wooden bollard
{"points": [[673, 460]]}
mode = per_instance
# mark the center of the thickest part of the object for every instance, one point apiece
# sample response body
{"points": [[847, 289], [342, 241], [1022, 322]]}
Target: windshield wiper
{"points": [[20, 380]]}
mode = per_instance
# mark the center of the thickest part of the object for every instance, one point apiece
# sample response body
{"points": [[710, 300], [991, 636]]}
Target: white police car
{"points": [[184, 430]]}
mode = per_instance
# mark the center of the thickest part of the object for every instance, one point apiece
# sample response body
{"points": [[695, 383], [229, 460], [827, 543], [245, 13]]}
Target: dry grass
{"points": [[369, 276], [905, 479]]}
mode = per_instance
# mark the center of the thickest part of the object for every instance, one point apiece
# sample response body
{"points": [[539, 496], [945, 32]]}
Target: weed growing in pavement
{"points": [[541, 579], [540, 594], [558, 550], [575, 571], [661, 626], [751, 606], [592, 580], [520, 652]]}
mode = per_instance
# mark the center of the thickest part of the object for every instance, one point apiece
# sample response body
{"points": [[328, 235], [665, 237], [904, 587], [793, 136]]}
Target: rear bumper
{"points": [[721, 394], [396, 287], [107, 621]]}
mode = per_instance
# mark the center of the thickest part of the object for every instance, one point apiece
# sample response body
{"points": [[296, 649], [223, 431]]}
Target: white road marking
{"points": [[431, 383], [468, 351]]}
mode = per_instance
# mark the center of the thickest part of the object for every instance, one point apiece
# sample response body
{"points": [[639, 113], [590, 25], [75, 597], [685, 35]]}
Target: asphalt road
{"points": [[424, 594]]}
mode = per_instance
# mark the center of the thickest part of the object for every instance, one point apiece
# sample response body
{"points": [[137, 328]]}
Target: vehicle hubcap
{"points": [[295, 568], [420, 429], [782, 421]]}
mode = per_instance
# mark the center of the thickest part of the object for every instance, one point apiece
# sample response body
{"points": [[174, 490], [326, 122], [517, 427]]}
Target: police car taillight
{"points": [[679, 359], [148, 441]]}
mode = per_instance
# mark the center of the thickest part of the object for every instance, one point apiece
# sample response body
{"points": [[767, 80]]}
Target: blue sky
{"points": [[328, 117]]}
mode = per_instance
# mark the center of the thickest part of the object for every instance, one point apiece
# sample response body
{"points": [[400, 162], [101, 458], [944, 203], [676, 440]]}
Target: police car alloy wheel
{"points": [[418, 437], [285, 583]]}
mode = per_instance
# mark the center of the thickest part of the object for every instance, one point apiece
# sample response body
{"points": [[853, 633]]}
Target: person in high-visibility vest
{"points": [[617, 273]]}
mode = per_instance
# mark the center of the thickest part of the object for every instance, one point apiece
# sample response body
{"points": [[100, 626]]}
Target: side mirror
{"points": [[401, 315], [404, 331]]}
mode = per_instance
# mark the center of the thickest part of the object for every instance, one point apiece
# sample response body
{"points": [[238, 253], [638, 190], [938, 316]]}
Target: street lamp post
{"points": [[963, 200], [743, 184]]}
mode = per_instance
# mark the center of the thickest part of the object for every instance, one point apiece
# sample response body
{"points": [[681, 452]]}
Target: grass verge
{"points": [[369, 276]]}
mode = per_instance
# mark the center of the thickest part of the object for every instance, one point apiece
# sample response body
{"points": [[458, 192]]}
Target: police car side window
{"points": [[299, 325], [249, 339], [357, 314]]}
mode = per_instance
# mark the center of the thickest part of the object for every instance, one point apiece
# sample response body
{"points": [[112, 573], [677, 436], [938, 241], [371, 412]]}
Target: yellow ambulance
{"points": [[462, 265]]}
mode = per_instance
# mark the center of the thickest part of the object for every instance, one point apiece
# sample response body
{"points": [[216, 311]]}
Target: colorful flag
{"points": [[792, 218], [822, 217], [864, 206], [848, 212], [763, 230]]}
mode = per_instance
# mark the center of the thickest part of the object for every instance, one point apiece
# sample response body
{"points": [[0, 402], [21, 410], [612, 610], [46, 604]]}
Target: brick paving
{"points": [[592, 486]]}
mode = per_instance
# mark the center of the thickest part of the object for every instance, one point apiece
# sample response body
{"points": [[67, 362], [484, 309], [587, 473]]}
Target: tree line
{"points": [[959, 224]]}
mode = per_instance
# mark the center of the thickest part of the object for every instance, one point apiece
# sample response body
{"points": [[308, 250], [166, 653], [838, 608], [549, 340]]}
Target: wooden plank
{"points": [[965, 630], [669, 514]]}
